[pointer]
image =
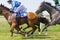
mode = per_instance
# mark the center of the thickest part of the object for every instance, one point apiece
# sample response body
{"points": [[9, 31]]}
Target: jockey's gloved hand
{"points": [[11, 11]]}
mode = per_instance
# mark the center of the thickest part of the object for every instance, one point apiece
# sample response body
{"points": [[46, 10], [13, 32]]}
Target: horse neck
{"points": [[6, 14], [50, 9]]}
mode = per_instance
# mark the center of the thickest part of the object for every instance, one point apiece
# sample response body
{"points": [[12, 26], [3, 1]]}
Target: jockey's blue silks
{"points": [[15, 4], [18, 8]]}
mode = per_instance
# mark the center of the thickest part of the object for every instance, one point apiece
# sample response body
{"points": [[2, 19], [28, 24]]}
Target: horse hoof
{"points": [[23, 30], [46, 33], [26, 35], [39, 33], [11, 35], [19, 31]]}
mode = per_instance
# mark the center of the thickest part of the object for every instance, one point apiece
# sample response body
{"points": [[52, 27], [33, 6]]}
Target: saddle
{"points": [[24, 14]]}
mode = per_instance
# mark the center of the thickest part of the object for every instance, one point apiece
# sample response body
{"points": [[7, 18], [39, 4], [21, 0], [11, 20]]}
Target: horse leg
{"points": [[52, 23], [46, 30], [39, 29], [12, 28], [26, 28], [33, 30], [18, 29]]}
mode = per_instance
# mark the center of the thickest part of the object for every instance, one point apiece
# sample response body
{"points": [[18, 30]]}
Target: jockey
{"points": [[19, 9]]}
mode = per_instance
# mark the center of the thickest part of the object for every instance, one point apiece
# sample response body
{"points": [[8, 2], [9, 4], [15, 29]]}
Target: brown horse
{"points": [[32, 20], [54, 13], [11, 18]]}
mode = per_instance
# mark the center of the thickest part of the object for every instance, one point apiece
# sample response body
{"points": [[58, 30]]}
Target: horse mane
{"points": [[49, 4], [5, 7]]}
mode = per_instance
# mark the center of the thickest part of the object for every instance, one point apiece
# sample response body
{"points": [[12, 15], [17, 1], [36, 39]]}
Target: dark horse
{"points": [[46, 6], [54, 14]]}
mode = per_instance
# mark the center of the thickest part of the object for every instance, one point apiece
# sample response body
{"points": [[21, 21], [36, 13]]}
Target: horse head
{"points": [[3, 8], [44, 6], [40, 8]]}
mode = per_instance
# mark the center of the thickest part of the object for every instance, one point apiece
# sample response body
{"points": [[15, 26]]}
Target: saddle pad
{"points": [[21, 14]]}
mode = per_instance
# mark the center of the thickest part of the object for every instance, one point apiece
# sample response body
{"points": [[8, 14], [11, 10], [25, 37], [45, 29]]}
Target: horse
{"points": [[53, 12], [31, 20], [11, 18]]}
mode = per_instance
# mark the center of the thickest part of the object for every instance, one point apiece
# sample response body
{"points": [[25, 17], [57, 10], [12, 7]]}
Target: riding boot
{"points": [[18, 14]]}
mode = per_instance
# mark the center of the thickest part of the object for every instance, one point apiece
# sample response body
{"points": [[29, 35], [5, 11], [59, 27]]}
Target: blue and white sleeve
{"points": [[13, 5]]}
